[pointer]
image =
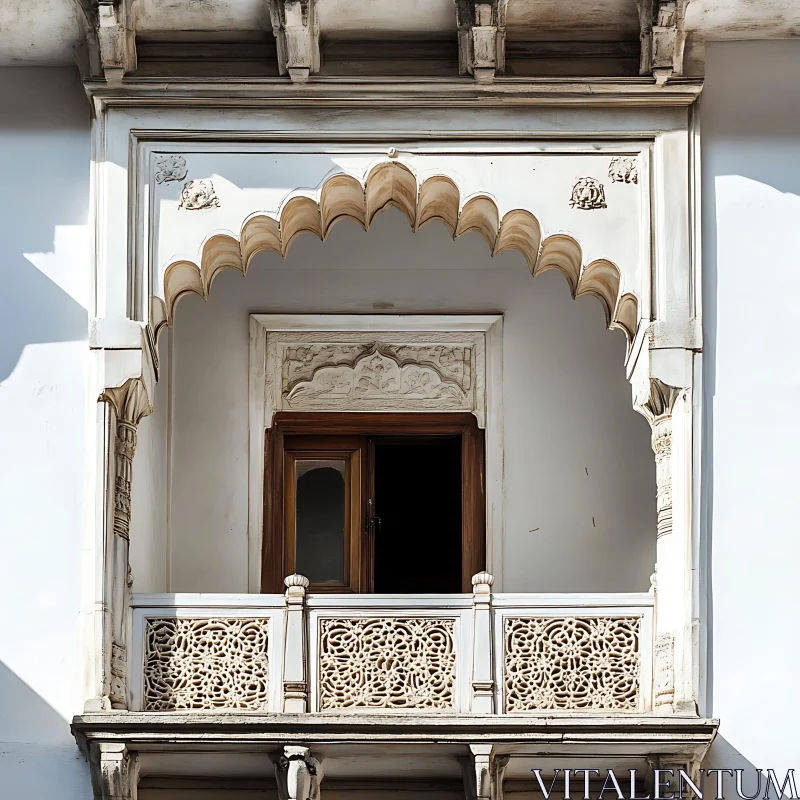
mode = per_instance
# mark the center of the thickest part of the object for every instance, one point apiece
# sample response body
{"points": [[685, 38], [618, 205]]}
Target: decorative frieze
{"points": [[571, 663], [206, 664], [387, 662], [375, 371], [588, 194]]}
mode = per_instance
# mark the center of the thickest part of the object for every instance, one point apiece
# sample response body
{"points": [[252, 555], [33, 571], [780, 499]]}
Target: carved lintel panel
{"points": [[588, 194], [206, 664], [387, 662], [375, 371], [664, 670], [571, 663]]}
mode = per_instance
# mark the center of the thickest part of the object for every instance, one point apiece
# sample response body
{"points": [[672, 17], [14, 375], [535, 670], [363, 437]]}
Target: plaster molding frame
{"points": [[488, 409]]}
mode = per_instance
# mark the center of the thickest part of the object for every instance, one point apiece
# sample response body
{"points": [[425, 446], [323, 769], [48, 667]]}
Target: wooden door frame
{"points": [[292, 423]]}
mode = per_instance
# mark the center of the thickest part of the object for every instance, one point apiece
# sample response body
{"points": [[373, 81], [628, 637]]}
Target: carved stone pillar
{"points": [[298, 774], [130, 404], [669, 580], [482, 674], [295, 667], [115, 771]]}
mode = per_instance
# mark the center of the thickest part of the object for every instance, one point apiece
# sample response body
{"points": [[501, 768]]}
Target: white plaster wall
{"points": [[580, 477], [44, 287], [751, 208]]}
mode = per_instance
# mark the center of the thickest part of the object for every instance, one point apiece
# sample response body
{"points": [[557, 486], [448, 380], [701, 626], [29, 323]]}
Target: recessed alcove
{"points": [[579, 472]]}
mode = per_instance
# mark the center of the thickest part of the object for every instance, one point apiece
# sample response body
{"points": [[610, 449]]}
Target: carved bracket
{"points": [[662, 37], [483, 772], [116, 37], [296, 28], [481, 38], [131, 404], [298, 774], [115, 771]]}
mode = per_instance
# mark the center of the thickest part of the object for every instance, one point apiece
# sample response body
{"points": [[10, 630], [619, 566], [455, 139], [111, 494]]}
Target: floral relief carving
{"points": [[387, 663], [205, 664], [197, 195], [571, 663], [170, 168], [623, 169], [360, 371], [587, 194], [381, 371]]}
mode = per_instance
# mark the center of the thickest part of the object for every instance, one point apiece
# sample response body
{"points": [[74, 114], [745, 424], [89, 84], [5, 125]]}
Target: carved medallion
{"points": [[588, 193], [197, 195], [623, 169], [170, 168]]}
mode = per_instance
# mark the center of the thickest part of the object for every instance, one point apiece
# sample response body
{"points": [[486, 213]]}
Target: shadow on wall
{"points": [[750, 113], [38, 756], [44, 248]]}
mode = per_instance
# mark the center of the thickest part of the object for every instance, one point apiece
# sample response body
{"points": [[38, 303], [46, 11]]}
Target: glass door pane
{"points": [[320, 519]]}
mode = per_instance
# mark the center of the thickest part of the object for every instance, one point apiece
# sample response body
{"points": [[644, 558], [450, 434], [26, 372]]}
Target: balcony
{"points": [[496, 654], [403, 687]]}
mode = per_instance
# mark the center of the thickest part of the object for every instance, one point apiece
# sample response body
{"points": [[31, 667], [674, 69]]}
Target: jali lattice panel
{"points": [[206, 664], [571, 663], [387, 663]]}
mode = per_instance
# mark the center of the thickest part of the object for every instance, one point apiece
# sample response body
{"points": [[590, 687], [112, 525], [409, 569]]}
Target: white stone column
{"points": [[295, 657], [668, 409], [482, 649], [130, 404]]}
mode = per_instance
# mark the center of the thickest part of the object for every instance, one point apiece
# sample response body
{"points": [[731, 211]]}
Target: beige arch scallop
{"points": [[391, 183]]}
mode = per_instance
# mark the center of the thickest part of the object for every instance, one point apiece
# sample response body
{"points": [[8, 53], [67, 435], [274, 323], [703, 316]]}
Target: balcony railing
{"points": [[437, 654]]}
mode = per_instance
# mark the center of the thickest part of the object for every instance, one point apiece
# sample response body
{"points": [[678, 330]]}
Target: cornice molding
{"points": [[417, 93]]}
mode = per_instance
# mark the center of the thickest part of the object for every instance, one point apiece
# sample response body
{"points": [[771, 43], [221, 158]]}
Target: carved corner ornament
{"points": [[198, 195], [114, 771], [623, 169], [588, 194], [170, 168]]}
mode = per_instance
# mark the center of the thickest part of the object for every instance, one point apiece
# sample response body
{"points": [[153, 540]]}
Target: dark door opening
{"points": [[401, 510], [417, 508]]}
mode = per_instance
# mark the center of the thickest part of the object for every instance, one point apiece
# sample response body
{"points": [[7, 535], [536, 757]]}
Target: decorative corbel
{"points": [[296, 27], [131, 404], [116, 36], [87, 54], [481, 38], [298, 774], [114, 771], [483, 772], [662, 36]]}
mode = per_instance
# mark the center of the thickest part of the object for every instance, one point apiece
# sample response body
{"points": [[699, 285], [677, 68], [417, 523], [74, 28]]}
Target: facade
{"points": [[320, 473]]}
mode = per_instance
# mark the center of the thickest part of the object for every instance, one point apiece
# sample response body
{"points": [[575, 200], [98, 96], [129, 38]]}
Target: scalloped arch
{"points": [[391, 183]]}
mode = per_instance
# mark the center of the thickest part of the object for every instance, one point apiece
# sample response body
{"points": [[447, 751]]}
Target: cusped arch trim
{"points": [[391, 183]]}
